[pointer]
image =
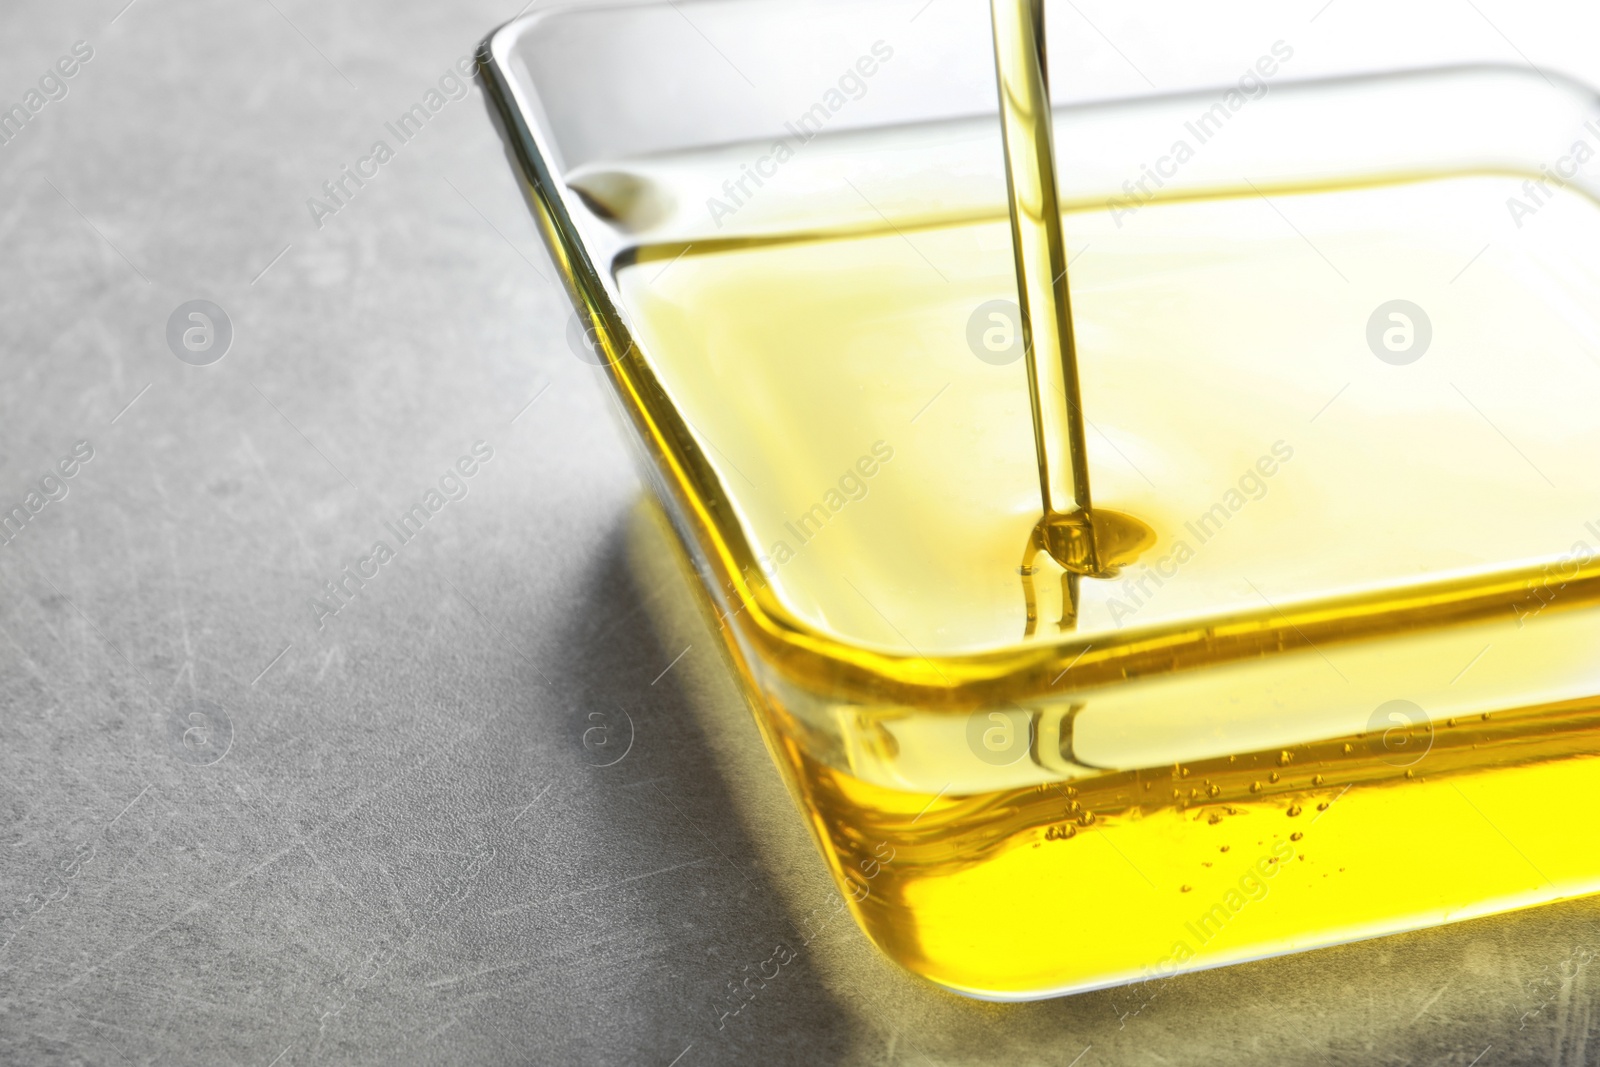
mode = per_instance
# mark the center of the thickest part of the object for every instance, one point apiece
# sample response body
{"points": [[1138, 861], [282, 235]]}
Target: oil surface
{"points": [[1238, 410]]}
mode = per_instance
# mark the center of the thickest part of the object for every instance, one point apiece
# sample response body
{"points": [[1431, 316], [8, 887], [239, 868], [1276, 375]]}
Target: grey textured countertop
{"points": [[385, 840]]}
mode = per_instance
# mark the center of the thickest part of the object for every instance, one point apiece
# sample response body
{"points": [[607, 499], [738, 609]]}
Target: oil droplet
{"points": [[1296, 836], [1086, 819], [1255, 787], [1323, 806], [1205, 863], [1294, 809], [1214, 819], [1226, 847], [1284, 757], [1410, 773], [1183, 772], [1273, 777], [1349, 748], [1317, 779], [1214, 790]]}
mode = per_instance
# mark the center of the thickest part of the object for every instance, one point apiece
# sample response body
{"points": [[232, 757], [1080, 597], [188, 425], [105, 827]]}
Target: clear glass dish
{"points": [[1339, 355]]}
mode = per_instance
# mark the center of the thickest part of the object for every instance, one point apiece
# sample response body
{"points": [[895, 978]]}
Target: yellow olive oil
{"points": [[1321, 662], [1337, 694]]}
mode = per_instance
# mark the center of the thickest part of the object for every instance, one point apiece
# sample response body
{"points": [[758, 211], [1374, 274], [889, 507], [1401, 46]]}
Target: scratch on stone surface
{"points": [[381, 787], [144, 1032], [397, 903], [216, 1006], [696, 827], [534, 801], [38, 672], [269, 667], [111, 883], [1580, 1028], [447, 1026], [186, 669], [131, 803], [183, 608], [456, 978], [145, 1029], [639, 877], [598, 888], [284, 507], [333, 877], [336, 650], [1428, 1004], [190, 910], [1571, 1022], [55, 634], [671, 665], [109, 792]]}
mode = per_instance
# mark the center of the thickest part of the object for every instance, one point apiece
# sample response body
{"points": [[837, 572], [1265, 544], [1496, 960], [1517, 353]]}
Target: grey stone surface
{"points": [[407, 849]]}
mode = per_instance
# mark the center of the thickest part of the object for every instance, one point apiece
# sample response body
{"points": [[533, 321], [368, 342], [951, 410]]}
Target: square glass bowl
{"points": [[1340, 347]]}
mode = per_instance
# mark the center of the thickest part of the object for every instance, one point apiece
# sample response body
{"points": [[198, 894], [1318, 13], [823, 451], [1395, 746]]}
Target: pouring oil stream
{"points": [[1084, 542]]}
